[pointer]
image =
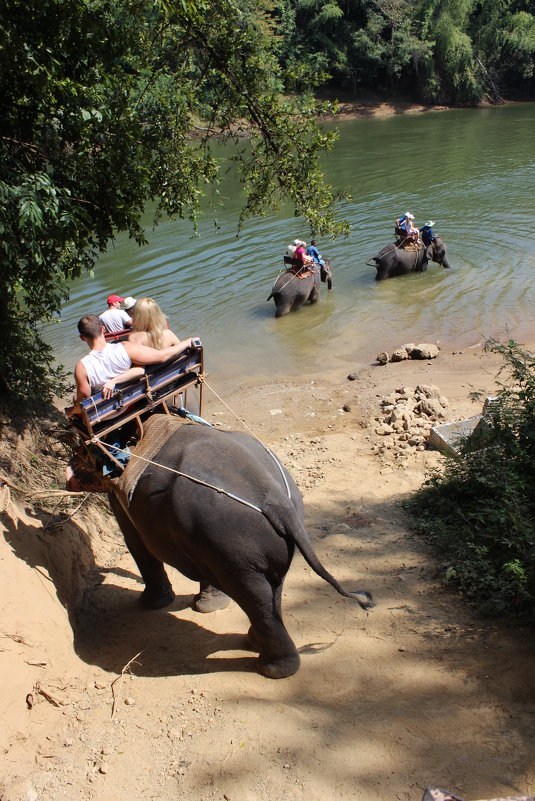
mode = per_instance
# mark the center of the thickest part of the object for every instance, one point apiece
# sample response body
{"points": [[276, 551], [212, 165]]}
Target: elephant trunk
{"points": [[445, 263]]}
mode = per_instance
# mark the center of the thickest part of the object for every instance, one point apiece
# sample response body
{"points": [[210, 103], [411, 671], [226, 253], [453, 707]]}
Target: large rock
{"points": [[424, 351], [428, 390], [399, 355], [430, 407]]}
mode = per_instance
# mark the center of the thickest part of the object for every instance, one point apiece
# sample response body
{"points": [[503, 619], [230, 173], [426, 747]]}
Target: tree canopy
{"points": [[109, 104], [446, 51]]}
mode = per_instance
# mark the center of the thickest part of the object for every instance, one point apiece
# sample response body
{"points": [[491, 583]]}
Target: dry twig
{"points": [[120, 680], [48, 696], [53, 526]]}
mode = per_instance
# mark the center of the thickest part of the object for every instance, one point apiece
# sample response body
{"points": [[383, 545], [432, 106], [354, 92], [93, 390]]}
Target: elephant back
{"points": [[158, 430]]}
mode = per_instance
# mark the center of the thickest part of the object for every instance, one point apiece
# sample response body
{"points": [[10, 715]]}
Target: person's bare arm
{"points": [[83, 390], [109, 387], [141, 354]]}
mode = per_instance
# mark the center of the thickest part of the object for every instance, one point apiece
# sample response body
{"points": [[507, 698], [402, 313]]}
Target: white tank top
{"points": [[101, 365]]}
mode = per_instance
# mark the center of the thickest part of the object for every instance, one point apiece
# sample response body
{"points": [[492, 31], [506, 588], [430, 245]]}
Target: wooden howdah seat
{"points": [[297, 267], [117, 336], [164, 388]]}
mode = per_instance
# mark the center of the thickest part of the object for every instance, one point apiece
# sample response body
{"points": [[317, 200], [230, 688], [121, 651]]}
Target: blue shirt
{"points": [[427, 234], [314, 252]]}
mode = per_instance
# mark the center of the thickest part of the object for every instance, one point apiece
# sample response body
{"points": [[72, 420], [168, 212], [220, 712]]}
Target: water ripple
{"points": [[472, 171]]}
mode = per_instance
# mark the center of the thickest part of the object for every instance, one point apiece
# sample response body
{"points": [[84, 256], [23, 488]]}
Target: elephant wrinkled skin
{"points": [[392, 260], [218, 540], [290, 292]]}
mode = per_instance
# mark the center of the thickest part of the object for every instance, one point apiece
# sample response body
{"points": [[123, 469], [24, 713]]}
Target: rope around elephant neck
{"points": [[300, 270], [231, 495], [396, 247], [116, 449], [252, 433]]}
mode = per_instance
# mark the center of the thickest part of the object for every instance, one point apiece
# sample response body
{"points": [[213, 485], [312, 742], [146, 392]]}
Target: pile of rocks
{"points": [[407, 417], [410, 351]]}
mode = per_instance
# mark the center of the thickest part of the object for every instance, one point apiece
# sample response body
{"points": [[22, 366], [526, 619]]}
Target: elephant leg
{"points": [[282, 310], [158, 591], [210, 599], [314, 295], [278, 657]]}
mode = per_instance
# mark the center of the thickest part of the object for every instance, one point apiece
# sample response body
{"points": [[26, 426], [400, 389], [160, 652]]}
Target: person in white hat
{"points": [[427, 232], [129, 304], [405, 230]]}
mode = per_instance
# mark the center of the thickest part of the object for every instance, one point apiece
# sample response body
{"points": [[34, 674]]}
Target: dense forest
{"points": [[107, 105], [445, 51]]}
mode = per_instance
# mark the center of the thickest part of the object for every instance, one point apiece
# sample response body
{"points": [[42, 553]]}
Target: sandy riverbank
{"points": [[418, 691]]}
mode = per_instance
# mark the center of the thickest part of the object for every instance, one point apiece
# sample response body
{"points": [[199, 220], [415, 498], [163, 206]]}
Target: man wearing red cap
{"points": [[115, 319]]}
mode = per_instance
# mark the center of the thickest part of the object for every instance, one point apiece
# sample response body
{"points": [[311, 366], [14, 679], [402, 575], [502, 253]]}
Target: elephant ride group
{"points": [[218, 506], [109, 425], [412, 250], [304, 272]]}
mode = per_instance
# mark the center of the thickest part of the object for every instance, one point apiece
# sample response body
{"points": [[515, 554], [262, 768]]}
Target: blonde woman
{"points": [[150, 327]]}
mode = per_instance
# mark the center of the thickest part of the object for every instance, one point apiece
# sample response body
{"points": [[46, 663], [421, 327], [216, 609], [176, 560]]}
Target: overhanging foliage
{"points": [[100, 112]]}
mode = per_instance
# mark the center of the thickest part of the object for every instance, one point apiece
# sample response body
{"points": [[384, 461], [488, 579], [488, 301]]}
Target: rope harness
{"points": [[115, 449], [295, 275], [395, 247]]}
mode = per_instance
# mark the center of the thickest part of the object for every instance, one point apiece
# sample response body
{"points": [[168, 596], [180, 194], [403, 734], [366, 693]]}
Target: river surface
{"points": [[470, 170]]}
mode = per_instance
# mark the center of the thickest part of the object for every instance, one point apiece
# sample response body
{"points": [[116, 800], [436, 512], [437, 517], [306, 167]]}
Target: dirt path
{"points": [[417, 691]]}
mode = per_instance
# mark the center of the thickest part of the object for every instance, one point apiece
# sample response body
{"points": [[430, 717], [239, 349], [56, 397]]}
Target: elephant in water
{"points": [[220, 508], [392, 260], [290, 291]]}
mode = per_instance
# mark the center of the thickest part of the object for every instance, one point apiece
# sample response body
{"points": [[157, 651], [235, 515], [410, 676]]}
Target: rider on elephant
{"points": [[315, 254], [406, 231], [299, 254], [427, 232]]}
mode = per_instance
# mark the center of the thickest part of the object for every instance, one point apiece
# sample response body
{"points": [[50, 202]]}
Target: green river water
{"points": [[471, 170]]}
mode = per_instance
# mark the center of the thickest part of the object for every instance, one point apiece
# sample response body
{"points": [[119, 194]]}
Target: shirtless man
{"points": [[108, 364]]}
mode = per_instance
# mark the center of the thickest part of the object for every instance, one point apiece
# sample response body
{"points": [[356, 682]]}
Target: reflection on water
{"points": [[472, 171]]}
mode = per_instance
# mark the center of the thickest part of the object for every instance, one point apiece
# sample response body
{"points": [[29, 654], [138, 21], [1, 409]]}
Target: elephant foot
{"points": [[278, 668], [157, 600], [210, 600]]}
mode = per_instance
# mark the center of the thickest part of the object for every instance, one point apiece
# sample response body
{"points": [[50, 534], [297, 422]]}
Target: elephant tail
{"points": [[287, 522], [372, 259], [272, 293]]}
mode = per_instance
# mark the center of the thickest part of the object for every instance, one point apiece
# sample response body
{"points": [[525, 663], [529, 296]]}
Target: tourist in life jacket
{"points": [[313, 252], [109, 363], [115, 318], [427, 232]]}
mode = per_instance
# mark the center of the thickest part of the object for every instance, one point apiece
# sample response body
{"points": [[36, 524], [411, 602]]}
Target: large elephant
{"points": [[392, 260], [221, 509], [290, 291]]}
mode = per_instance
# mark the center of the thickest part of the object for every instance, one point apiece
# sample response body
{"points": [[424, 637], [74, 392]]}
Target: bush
{"points": [[479, 513]]}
